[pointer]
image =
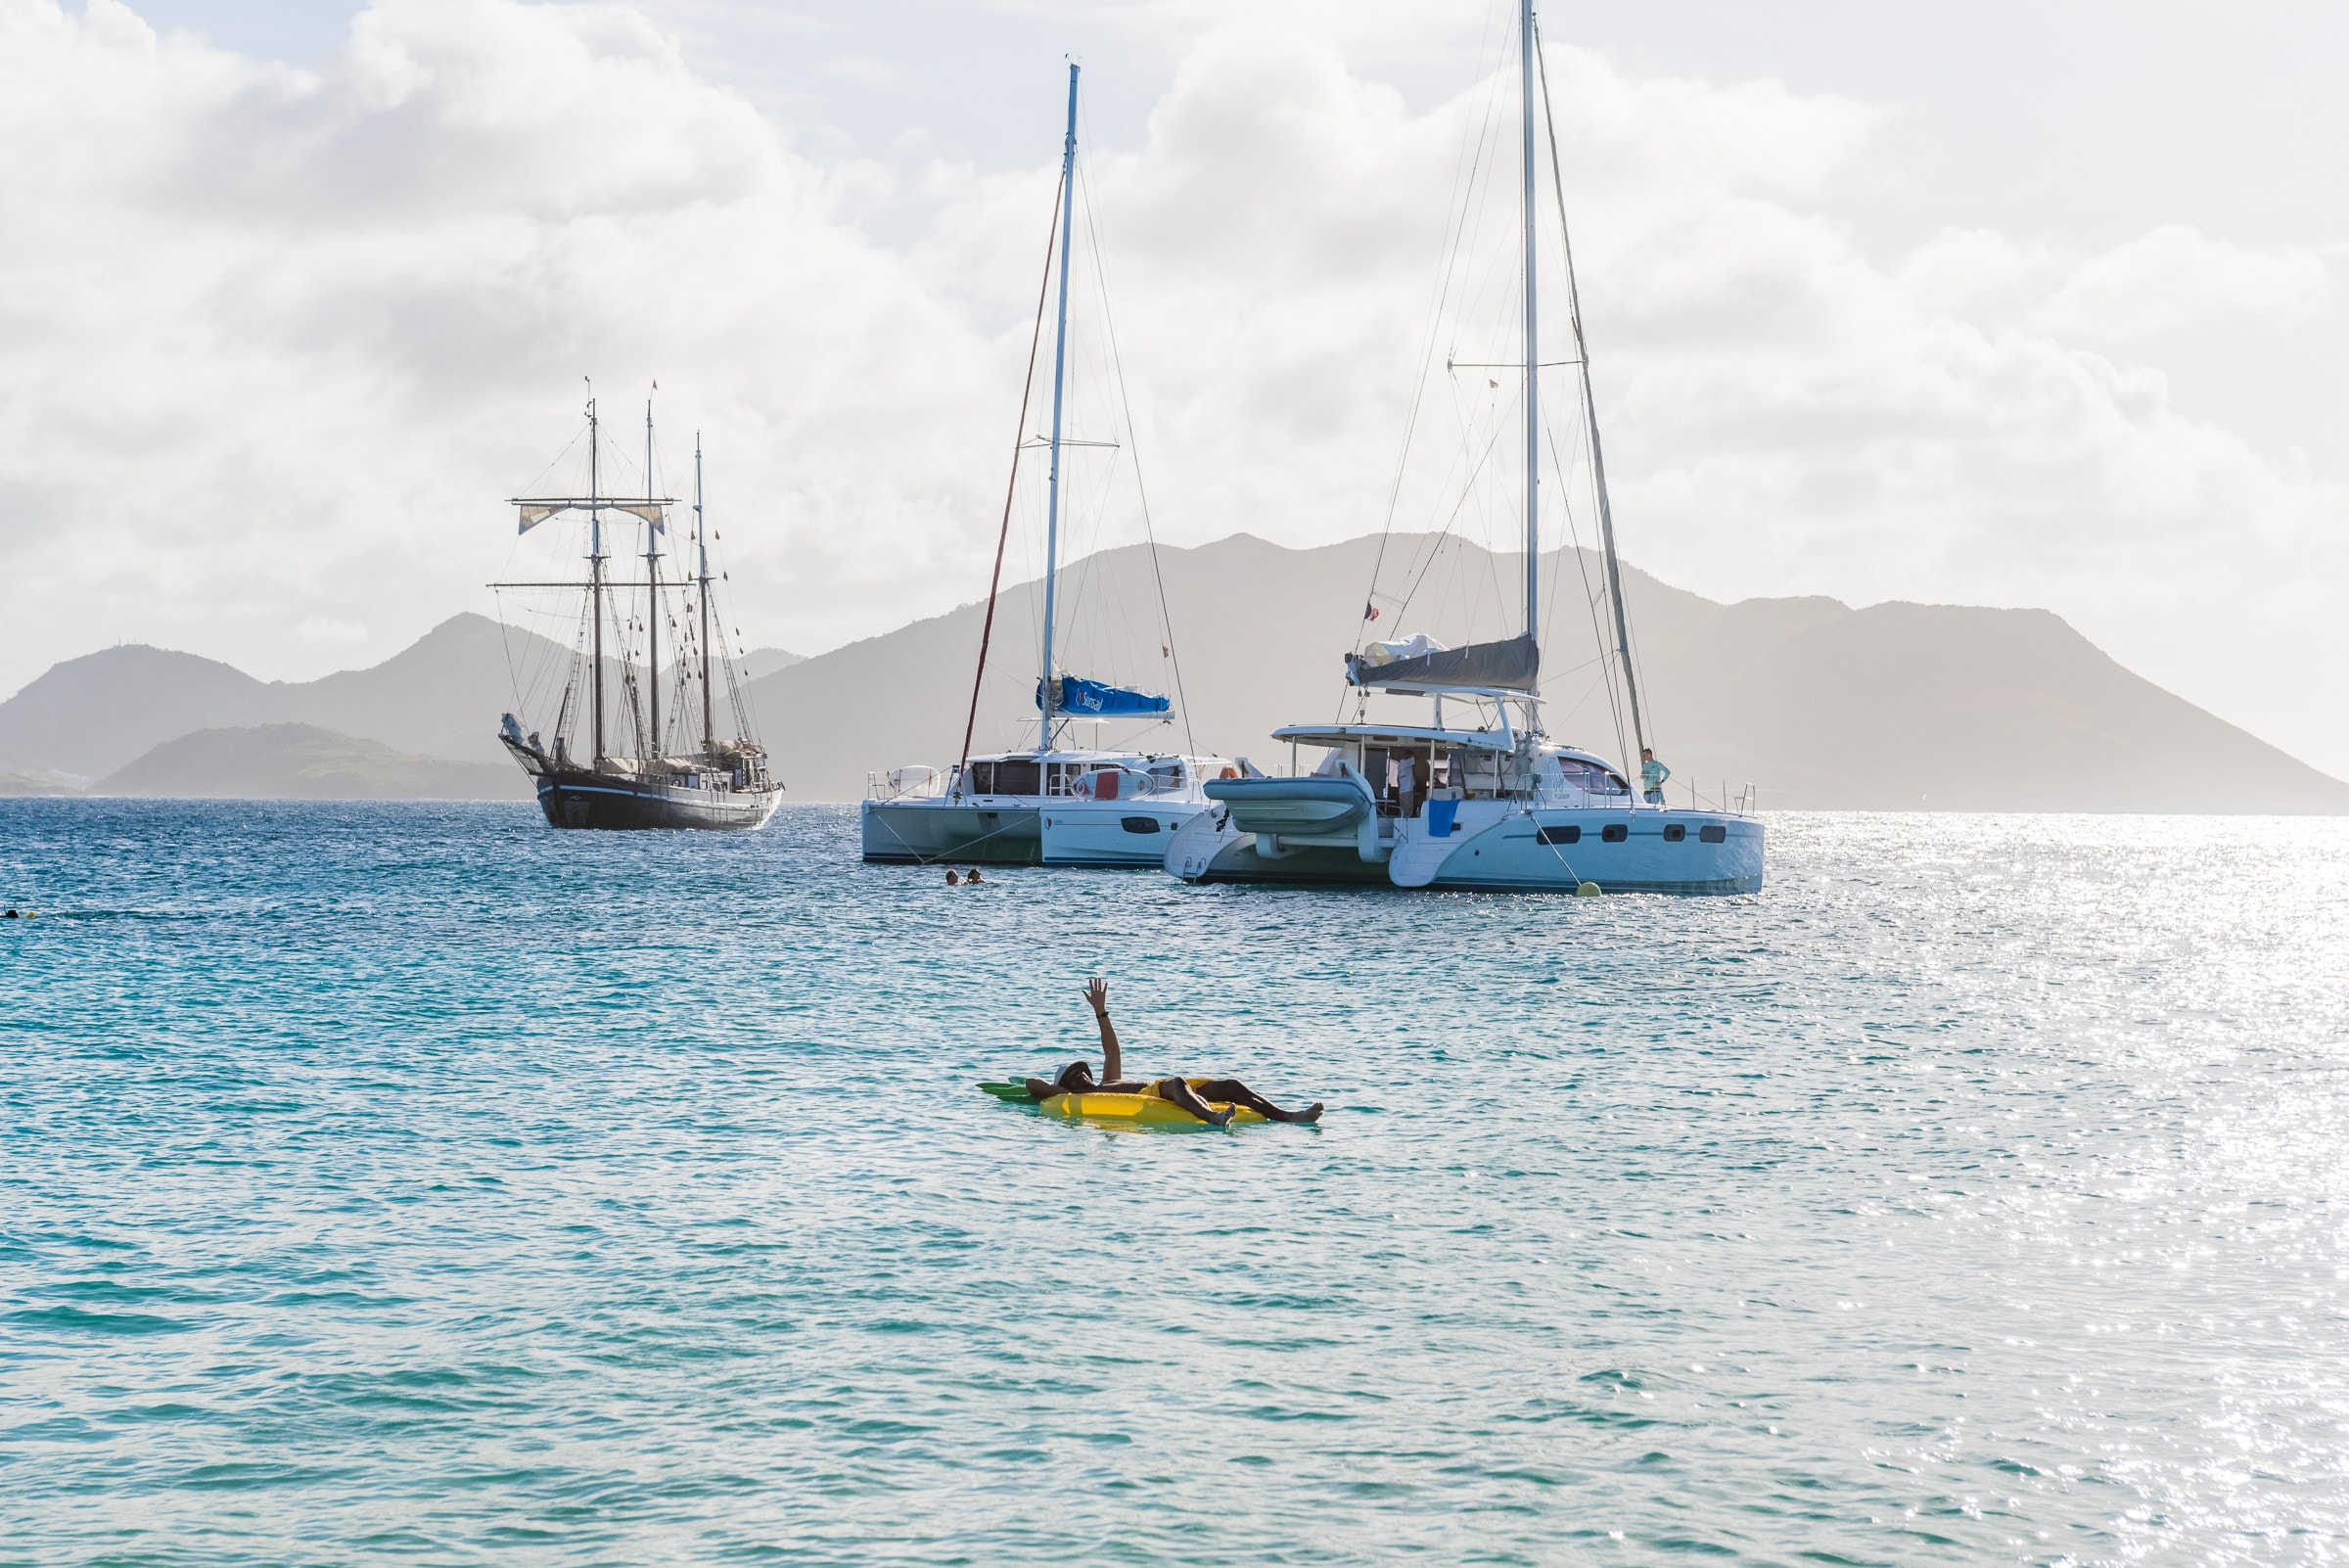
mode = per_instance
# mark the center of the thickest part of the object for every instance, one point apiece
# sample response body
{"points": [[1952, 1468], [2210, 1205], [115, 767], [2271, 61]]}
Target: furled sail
{"points": [[1074, 694], [1511, 665], [534, 513]]}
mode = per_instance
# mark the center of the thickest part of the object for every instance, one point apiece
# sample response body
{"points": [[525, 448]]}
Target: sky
{"points": [[2002, 303]]}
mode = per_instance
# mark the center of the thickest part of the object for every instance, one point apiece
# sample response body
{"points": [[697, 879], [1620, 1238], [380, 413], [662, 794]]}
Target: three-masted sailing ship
{"points": [[640, 768]]}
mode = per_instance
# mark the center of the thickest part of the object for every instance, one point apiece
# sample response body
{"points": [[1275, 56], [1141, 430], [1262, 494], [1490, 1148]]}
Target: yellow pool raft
{"points": [[1127, 1110]]}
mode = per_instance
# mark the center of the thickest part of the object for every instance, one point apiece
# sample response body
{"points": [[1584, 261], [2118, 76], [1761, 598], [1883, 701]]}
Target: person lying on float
{"points": [[1077, 1078]]}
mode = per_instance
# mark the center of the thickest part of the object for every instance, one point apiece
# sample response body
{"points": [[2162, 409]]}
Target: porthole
{"points": [[1674, 832], [1616, 833], [1713, 833], [1140, 825], [1564, 833]]}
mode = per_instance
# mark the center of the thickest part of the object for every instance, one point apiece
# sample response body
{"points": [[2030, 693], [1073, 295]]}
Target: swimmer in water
{"points": [[1077, 1078], [952, 881]]}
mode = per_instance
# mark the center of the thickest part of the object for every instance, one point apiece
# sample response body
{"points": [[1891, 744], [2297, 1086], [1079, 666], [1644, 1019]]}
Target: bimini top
{"points": [[1076, 695], [1511, 665], [1504, 739]]}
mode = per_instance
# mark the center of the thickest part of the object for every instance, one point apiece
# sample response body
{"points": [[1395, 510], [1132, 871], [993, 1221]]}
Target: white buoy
{"points": [[1587, 889]]}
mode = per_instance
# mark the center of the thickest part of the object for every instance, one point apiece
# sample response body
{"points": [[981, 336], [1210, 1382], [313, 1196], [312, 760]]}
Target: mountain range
{"points": [[1894, 707], [441, 697], [302, 761]]}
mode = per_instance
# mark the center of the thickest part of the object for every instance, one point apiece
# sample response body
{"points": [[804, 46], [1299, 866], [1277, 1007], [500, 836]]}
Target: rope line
{"points": [[987, 631], [1116, 361]]}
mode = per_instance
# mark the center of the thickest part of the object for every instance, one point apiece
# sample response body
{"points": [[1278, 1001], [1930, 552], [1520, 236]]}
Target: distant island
{"points": [[1894, 707], [304, 763]]}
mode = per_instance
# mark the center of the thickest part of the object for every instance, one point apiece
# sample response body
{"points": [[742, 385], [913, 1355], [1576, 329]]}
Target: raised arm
{"points": [[1097, 995]]}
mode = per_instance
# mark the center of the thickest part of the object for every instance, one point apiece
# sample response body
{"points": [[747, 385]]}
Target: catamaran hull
{"points": [[924, 832], [1304, 865], [1651, 852], [1112, 834], [602, 800], [1549, 851]]}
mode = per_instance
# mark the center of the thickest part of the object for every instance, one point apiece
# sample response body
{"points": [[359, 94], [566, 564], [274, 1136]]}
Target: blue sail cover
{"points": [[1081, 696]]}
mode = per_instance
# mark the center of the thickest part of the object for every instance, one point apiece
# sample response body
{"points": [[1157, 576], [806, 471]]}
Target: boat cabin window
{"points": [[1020, 777], [1477, 772], [1591, 778], [983, 778], [1166, 775]]}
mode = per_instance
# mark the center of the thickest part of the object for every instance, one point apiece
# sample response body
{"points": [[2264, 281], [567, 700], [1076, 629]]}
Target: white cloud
{"points": [[274, 342]]}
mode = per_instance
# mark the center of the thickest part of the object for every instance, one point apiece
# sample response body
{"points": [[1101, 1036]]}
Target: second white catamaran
{"points": [[1054, 803]]}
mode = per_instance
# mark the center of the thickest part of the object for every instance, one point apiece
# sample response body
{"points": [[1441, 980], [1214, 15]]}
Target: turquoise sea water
{"points": [[414, 1184]]}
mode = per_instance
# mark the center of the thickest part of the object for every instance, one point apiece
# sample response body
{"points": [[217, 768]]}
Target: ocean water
{"points": [[412, 1183]]}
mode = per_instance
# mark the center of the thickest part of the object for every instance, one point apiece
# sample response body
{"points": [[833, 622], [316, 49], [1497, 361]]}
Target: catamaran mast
{"points": [[1533, 367], [701, 546], [595, 573], [1599, 461], [652, 585], [1060, 365]]}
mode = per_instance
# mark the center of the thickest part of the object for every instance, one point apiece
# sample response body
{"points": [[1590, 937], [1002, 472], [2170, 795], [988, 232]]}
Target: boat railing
{"points": [[1743, 801]]}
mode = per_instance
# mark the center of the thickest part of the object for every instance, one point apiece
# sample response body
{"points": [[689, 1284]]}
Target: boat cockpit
{"points": [[1402, 768], [1100, 775]]}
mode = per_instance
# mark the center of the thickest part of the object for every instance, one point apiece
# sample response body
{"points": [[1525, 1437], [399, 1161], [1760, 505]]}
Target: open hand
{"points": [[1097, 993]]}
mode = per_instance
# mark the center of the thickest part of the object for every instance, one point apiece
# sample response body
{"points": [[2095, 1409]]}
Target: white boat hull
{"points": [[1114, 833], [1063, 830], [1652, 849], [1502, 846]]}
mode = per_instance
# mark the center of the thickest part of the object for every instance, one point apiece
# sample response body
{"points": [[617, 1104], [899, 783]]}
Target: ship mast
{"points": [[652, 586], [1060, 364], [595, 573], [701, 546], [1532, 370]]}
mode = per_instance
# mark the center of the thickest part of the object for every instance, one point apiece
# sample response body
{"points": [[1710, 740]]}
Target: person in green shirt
{"points": [[1652, 775]]}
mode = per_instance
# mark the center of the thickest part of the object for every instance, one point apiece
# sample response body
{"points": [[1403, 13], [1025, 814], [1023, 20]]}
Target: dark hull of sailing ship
{"points": [[578, 800], [574, 796]]}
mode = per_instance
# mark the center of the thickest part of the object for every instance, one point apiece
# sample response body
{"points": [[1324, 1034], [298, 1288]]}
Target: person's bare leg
{"points": [[1231, 1091], [1175, 1091]]}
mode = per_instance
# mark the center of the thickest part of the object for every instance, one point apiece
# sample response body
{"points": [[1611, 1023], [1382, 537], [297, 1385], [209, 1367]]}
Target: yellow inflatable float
{"points": [[1124, 1110]]}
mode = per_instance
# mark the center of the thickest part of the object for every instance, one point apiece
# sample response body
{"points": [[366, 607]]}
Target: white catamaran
{"points": [[1052, 804], [1491, 802]]}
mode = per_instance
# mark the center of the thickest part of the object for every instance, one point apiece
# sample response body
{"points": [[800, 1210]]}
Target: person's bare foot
{"points": [[1312, 1113]]}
